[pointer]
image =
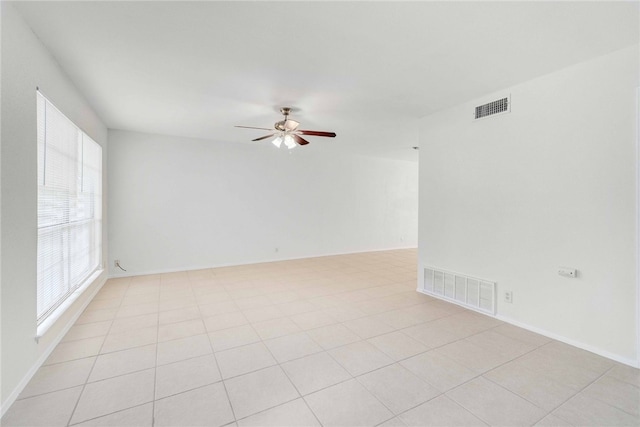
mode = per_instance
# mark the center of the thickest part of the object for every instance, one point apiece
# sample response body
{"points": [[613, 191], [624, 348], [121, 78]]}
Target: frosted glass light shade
{"points": [[277, 142], [289, 142]]}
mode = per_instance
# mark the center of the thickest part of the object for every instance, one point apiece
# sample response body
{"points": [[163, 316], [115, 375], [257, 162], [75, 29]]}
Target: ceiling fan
{"points": [[286, 131]]}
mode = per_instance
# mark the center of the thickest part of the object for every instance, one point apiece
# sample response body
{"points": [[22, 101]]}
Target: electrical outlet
{"points": [[116, 263], [508, 297], [567, 272], [277, 249]]}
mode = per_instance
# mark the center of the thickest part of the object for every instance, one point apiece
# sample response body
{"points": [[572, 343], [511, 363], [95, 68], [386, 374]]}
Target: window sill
{"points": [[58, 312]]}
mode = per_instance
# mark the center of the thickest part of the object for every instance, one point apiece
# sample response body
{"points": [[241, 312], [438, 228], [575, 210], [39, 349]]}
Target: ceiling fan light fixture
{"points": [[289, 142], [288, 133]]}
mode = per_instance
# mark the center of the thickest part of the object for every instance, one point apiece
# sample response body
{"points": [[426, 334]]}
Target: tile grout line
{"points": [[300, 396], [582, 390], [215, 359], [91, 371]]}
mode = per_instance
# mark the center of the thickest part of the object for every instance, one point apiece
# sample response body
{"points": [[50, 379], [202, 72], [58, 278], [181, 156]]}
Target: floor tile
{"points": [[240, 360], [47, 410], [397, 345], [507, 346], [107, 396], [360, 357], [292, 347], [496, 370], [140, 298], [186, 375], [580, 358], [397, 388], [130, 323], [297, 307], [315, 372], [233, 337], [345, 312], [440, 411], [393, 422], [283, 297], [478, 359], [58, 377], [559, 368], [332, 336], [314, 319], [438, 370], [582, 410], [402, 318], [553, 421], [130, 339], [137, 310], [247, 298], [430, 335], [291, 414], [537, 389], [184, 348], [217, 308], [88, 330], [495, 405], [205, 406], [275, 328], [74, 350], [616, 393], [347, 404], [224, 321], [90, 316], [123, 362], [260, 390], [367, 327], [261, 314], [179, 315], [626, 374], [521, 334], [176, 303], [139, 416], [177, 330]]}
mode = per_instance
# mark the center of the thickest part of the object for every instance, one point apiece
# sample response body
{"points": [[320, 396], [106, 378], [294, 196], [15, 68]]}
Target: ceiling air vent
{"points": [[502, 105]]}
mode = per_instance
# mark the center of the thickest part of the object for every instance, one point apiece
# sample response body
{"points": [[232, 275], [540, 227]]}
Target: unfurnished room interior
{"points": [[320, 213]]}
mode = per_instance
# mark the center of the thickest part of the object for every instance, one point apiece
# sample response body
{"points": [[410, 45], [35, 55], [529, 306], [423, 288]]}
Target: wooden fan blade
{"points": [[251, 127], [317, 133], [263, 137], [299, 140]]}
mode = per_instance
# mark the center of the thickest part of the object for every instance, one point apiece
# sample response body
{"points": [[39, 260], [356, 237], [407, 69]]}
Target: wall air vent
{"points": [[467, 291], [502, 105]]}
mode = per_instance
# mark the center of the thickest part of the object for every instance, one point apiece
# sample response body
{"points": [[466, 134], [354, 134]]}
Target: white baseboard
{"points": [[552, 335], [262, 261], [572, 342], [47, 352]]}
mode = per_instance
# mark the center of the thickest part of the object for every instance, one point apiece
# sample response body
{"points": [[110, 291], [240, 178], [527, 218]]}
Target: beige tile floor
{"points": [[340, 340]]}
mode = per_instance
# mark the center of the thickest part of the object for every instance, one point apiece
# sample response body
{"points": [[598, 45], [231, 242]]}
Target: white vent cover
{"points": [[502, 105], [477, 294]]}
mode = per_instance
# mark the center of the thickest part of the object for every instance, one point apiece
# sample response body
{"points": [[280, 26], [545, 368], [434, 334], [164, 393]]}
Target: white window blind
{"points": [[69, 207]]}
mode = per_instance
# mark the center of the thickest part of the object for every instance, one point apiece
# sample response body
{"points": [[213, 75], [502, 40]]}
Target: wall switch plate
{"points": [[508, 297], [567, 272]]}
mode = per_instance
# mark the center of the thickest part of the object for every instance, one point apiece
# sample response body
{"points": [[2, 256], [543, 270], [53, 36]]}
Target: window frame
{"points": [[93, 242]]}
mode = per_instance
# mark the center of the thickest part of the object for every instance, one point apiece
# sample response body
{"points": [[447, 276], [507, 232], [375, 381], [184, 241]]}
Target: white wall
{"points": [[25, 65], [178, 203], [553, 183]]}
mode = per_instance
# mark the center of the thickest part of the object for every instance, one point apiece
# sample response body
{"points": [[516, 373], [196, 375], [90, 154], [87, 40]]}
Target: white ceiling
{"points": [[365, 70]]}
